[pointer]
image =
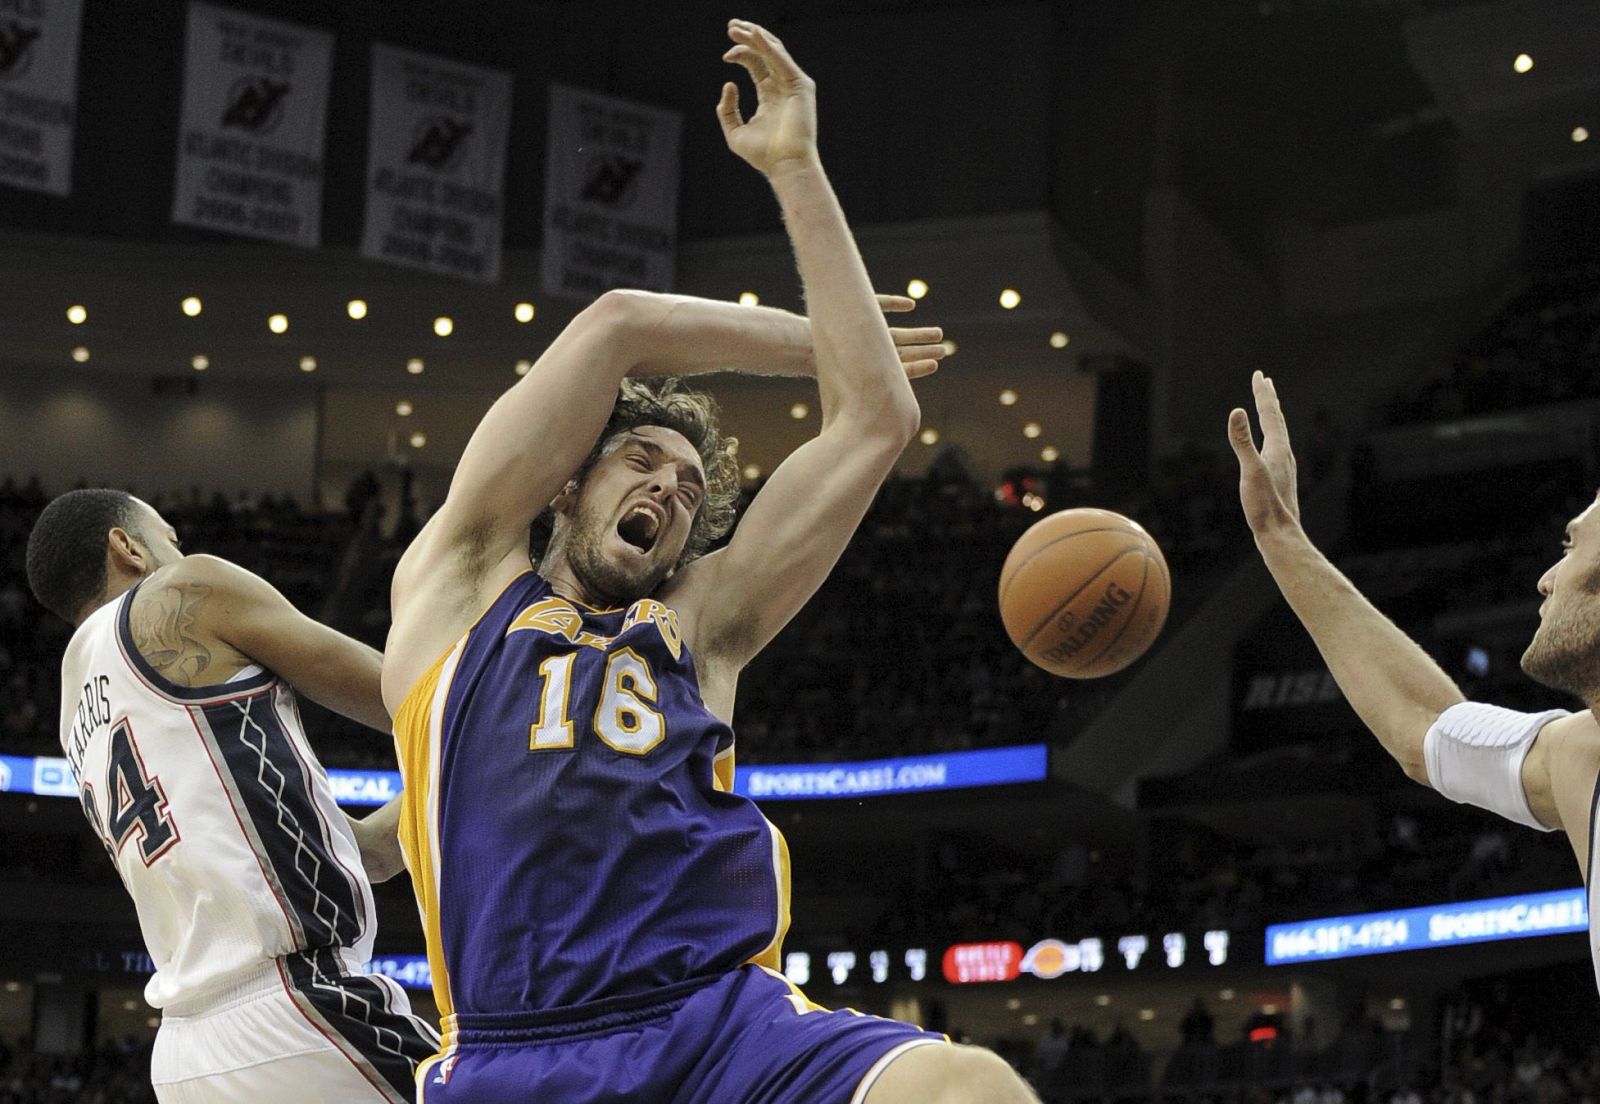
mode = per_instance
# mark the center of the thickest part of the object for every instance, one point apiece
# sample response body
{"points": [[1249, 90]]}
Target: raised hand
{"points": [[783, 131], [1267, 482], [921, 348]]}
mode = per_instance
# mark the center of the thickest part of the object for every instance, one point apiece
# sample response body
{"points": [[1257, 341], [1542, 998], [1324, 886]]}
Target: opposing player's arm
{"points": [[1393, 685], [226, 604], [1510, 763], [378, 838], [735, 601]]}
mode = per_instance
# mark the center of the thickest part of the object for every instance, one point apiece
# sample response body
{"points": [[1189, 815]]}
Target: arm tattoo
{"points": [[163, 624]]}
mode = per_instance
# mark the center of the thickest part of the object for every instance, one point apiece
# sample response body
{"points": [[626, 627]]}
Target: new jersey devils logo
{"points": [[16, 49], [612, 179], [255, 104], [439, 143]]}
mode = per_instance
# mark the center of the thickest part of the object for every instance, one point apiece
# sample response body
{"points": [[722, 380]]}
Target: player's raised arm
{"points": [[1477, 753], [538, 433], [202, 604], [735, 600]]}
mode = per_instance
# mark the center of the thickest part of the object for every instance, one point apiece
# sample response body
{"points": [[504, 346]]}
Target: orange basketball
{"points": [[1084, 592]]}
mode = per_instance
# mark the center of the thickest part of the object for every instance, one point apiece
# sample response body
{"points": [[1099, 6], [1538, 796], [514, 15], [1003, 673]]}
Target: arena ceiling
{"points": [[935, 115]]}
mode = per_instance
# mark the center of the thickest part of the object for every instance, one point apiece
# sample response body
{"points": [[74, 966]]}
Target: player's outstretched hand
{"points": [[782, 133], [921, 348], [1267, 487]]}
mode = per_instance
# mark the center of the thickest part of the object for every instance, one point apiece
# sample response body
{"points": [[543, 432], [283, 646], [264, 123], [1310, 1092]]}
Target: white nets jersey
{"points": [[219, 819]]}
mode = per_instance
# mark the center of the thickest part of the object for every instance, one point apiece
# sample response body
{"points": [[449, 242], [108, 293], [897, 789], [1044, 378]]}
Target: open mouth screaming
{"points": [[640, 527]]}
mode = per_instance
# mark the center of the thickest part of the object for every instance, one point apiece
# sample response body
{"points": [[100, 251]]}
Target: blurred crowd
{"points": [[108, 1074], [1540, 348]]}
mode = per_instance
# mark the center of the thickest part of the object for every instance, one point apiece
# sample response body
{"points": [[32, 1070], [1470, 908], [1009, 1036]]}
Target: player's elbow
{"points": [[893, 421], [621, 315], [905, 416]]}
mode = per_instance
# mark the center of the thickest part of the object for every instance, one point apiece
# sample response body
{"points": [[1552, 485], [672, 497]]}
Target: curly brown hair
{"points": [[667, 403]]}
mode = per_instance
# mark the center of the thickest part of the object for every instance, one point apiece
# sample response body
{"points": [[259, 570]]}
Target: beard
{"points": [[1565, 654], [617, 583]]}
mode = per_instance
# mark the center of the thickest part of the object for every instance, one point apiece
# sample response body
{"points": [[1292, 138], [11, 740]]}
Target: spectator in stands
{"points": [[1198, 1027], [1052, 1051]]}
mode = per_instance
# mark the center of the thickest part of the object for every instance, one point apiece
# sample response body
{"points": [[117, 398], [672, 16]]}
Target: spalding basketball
{"points": [[1084, 592]]}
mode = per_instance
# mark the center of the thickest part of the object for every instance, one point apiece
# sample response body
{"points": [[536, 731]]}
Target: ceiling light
{"points": [[356, 308], [1030, 1019], [404, 408], [443, 326], [1270, 1009], [1031, 430], [524, 367], [77, 315], [80, 354], [1102, 1000], [1226, 994], [1009, 299], [1008, 397], [200, 363], [1580, 134], [1523, 63], [929, 436], [1398, 1004], [1147, 1013], [192, 305], [414, 366], [748, 299], [917, 289], [752, 472], [418, 440], [278, 323], [1049, 454], [1013, 1004], [523, 312], [1059, 340], [308, 364], [798, 411]]}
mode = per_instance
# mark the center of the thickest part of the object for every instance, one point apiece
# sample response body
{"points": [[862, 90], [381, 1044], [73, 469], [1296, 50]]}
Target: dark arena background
{"points": [[1200, 879]]}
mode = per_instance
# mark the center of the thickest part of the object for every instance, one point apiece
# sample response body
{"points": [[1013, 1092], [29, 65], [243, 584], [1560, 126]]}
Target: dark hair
{"points": [[666, 403], [67, 548]]}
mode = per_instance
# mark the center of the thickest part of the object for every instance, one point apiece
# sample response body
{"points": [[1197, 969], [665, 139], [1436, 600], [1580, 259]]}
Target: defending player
{"points": [[604, 917], [183, 733], [1537, 769]]}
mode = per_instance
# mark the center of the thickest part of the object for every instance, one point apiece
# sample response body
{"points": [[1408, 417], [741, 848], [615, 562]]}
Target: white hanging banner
{"points": [[610, 195], [38, 92], [437, 163], [250, 140]]}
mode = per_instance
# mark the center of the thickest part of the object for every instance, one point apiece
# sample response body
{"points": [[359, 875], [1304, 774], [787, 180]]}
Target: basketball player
{"points": [[194, 771], [1537, 769], [604, 916]]}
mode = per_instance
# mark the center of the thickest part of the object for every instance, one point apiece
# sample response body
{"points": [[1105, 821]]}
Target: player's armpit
{"points": [[1560, 776]]}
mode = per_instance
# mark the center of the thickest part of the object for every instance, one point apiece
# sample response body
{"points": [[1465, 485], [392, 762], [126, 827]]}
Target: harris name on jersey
{"points": [[93, 713]]}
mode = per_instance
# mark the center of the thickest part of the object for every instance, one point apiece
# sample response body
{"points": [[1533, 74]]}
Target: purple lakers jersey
{"points": [[568, 815]]}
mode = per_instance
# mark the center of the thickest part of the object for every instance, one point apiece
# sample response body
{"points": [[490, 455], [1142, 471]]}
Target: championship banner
{"points": [[436, 172], [255, 105], [38, 93], [611, 195]]}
